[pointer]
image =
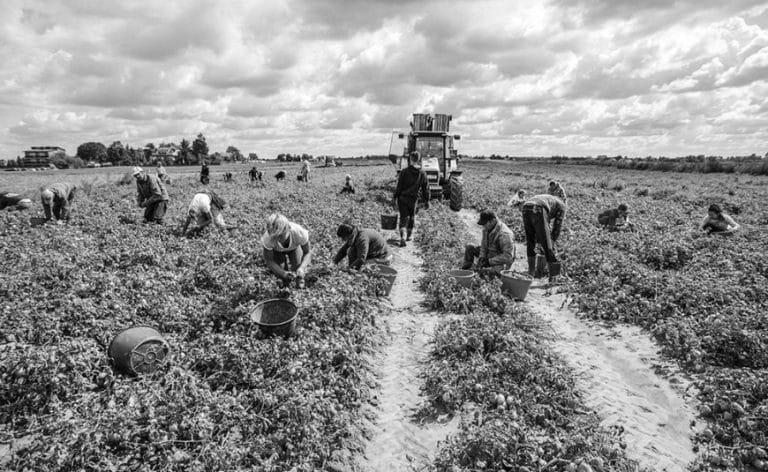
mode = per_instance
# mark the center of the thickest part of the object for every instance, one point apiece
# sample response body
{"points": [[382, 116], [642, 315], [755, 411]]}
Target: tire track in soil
{"points": [[621, 375], [398, 442]]}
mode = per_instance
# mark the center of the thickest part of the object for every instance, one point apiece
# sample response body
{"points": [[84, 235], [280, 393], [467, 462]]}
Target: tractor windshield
{"points": [[430, 147]]}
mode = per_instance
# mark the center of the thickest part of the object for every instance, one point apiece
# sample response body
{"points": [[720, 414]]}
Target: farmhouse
{"points": [[40, 156]]}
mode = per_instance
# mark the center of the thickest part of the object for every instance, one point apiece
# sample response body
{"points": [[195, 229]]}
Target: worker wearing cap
{"points": [[543, 217], [205, 208], [615, 219], [57, 200], [14, 202], [496, 251], [151, 195], [361, 245]]}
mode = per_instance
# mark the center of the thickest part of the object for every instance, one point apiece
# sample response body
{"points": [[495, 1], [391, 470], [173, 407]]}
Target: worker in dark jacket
{"points": [[542, 219], [496, 251], [717, 222], [361, 245], [205, 174], [615, 219], [255, 174], [411, 183], [151, 195], [14, 201], [57, 200]]}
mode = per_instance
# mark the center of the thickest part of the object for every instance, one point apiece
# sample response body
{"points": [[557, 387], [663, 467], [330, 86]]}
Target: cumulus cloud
{"points": [[330, 76]]}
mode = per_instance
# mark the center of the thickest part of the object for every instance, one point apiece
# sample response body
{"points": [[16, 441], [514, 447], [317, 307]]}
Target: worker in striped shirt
{"points": [[543, 217]]}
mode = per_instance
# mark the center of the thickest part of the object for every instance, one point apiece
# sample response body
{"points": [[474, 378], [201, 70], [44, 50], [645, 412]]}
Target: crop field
{"points": [[230, 399]]}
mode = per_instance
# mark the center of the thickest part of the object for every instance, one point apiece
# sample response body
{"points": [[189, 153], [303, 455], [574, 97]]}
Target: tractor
{"points": [[439, 160]]}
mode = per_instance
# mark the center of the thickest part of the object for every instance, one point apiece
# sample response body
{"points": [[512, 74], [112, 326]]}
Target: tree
{"points": [[200, 147], [252, 156], [184, 152], [234, 153], [281, 157], [149, 149], [116, 153], [92, 151]]}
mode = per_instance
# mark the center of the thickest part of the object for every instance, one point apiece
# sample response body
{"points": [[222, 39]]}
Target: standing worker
{"points": [[254, 174], [205, 208], [58, 197], [151, 195], [556, 190], [496, 251], [411, 183], [305, 172], [205, 172], [539, 212], [361, 245], [286, 249], [14, 201]]}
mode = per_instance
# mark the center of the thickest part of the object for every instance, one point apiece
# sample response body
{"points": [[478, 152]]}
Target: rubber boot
{"points": [[554, 271], [532, 266]]}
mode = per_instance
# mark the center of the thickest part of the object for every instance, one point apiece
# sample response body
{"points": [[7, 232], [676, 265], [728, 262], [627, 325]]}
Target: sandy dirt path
{"points": [[618, 370], [400, 443]]}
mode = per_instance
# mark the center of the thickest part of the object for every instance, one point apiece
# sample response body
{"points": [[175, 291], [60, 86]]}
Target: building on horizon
{"points": [[40, 156]]}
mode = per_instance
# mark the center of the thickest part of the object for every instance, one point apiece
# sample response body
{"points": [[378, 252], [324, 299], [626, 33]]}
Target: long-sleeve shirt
{"points": [[366, 244], [611, 218], [151, 190], [497, 245], [720, 224], [62, 192], [559, 193], [555, 207], [412, 182]]}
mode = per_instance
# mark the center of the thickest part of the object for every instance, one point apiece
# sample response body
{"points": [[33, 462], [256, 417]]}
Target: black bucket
{"points": [[275, 317], [138, 350]]}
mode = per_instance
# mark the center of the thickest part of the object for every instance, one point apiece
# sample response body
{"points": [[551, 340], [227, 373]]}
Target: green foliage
{"points": [[92, 152]]}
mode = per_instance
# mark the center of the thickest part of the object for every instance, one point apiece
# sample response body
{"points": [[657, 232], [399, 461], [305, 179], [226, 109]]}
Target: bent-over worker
{"points": [[556, 190], [543, 217], [361, 245], [496, 251], [57, 200], [150, 195], [615, 219], [286, 249], [411, 183], [14, 202], [517, 199], [717, 222], [205, 208], [349, 186]]}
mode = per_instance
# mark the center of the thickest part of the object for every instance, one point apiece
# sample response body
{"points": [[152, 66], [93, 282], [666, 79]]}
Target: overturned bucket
{"points": [[387, 273], [462, 277], [138, 350], [516, 284], [275, 317]]}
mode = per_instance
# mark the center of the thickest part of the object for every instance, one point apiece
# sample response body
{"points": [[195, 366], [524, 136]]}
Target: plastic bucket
{"points": [[388, 221], [462, 277], [138, 350], [541, 266], [37, 221], [387, 273], [515, 283], [275, 317], [554, 269]]}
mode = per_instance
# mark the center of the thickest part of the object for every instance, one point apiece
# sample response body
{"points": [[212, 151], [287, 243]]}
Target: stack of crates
{"points": [[442, 122], [422, 122]]}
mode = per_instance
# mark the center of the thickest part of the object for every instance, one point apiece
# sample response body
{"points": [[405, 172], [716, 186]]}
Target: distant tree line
{"points": [[752, 164]]}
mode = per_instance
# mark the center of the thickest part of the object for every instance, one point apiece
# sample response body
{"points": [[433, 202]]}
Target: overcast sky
{"points": [[575, 77]]}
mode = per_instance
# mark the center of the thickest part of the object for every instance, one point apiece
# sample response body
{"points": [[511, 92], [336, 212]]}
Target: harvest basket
{"points": [[387, 273], [275, 317], [515, 284], [138, 350], [462, 277], [388, 221], [37, 221]]}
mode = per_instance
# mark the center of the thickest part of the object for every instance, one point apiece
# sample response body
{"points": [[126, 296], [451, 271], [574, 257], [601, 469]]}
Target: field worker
{"points": [[286, 249], [14, 202], [517, 199], [255, 174], [556, 190], [349, 186], [162, 174], [496, 251], [411, 183], [361, 245], [615, 219], [542, 219], [205, 208], [151, 196], [205, 173], [58, 197], [717, 222], [305, 171]]}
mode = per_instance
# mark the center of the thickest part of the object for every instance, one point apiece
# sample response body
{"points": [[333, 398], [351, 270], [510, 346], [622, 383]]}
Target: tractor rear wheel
{"points": [[456, 193]]}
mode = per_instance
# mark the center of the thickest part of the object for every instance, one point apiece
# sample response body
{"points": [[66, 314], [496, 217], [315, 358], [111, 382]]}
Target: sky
{"points": [[524, 78]]}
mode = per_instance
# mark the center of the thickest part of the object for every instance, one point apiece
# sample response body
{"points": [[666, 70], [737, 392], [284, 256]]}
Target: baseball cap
{"points": [[486, 216], [136, 170]]}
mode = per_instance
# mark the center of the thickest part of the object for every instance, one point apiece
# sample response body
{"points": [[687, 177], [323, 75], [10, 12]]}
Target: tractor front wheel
{"points": [[456, 193]]}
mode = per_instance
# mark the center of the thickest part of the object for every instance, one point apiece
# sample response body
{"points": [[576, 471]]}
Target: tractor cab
{"points": [[431, 138]]}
